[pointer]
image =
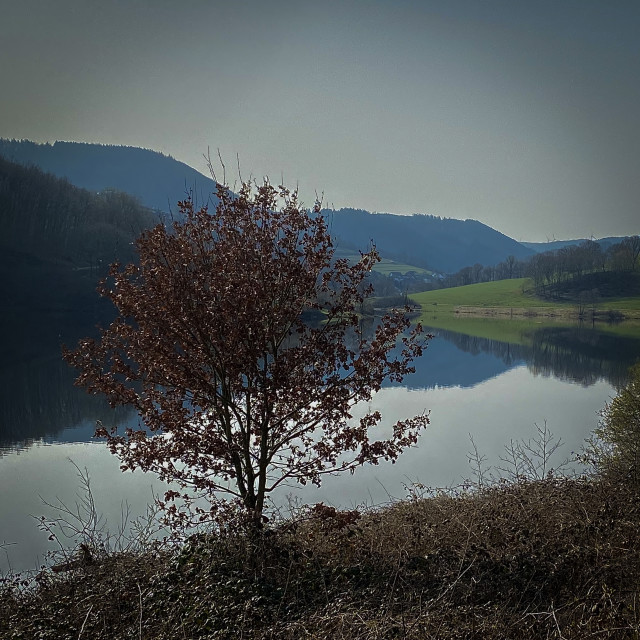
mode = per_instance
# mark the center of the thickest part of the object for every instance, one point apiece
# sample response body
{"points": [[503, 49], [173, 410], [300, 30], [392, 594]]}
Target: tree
{"points": [[237, 391], [631, 249]]}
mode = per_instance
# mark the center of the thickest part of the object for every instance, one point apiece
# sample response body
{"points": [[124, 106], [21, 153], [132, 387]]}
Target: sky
{"points": [[522, 114]]}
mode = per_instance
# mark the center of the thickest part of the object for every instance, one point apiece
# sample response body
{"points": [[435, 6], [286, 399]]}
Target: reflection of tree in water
{"points": [[38, 399], [580, 355], [583, 355], [507, 352]]}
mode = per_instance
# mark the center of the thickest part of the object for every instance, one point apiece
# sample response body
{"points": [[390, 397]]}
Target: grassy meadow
{"points": [[509, 311], [505, 294], [386, 267]]}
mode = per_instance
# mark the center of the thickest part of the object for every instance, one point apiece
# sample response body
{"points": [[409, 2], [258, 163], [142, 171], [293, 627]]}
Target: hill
{"points": [[57, 240], [439, 244], [158, 181]]}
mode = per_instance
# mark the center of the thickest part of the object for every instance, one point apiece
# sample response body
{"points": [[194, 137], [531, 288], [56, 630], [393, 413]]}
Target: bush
{"points": [[617, 451]]}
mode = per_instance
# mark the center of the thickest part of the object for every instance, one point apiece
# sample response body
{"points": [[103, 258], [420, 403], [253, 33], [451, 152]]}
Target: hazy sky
{"points": [[524, 114]]}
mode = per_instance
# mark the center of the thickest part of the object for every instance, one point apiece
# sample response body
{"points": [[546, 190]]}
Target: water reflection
{"points": [[38, 401], [491, 389], [581, 355]]}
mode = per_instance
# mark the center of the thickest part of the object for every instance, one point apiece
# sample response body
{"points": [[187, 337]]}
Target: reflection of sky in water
{"points": [[495, 411], [44, 471]]}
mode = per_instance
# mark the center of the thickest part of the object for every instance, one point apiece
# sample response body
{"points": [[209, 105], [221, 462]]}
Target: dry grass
{"points": [[557, 558]]}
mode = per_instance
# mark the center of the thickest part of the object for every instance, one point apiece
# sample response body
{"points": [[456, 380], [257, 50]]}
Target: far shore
{"points": [[568, 313]]}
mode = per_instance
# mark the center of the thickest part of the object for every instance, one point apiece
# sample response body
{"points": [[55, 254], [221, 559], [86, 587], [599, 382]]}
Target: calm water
{"points": [[489, 390]]}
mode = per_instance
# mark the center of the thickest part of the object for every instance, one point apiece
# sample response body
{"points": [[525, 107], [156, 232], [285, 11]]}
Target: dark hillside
{"points": [[440, 244], [157, 180], [57, 240]]}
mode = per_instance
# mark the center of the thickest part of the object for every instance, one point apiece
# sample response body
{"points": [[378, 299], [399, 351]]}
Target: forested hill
{"points": [[159, 181], [441, 244], [57, 240]]}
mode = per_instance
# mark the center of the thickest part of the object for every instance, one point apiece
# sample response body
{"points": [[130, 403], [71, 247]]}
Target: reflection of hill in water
{"points": [[583, 355], [457, 360], [579, 355], [37, 395], [38, 399]]}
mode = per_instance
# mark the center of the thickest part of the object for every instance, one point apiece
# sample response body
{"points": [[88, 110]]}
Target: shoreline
{"points": [[545, 312]]}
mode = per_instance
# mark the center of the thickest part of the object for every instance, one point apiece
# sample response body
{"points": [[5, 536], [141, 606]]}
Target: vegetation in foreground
{"points": [[534, 556], [531, 557], [552, 558]]}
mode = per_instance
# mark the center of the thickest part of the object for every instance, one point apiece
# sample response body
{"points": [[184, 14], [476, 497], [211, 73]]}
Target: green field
{"points": [[386, 266], [506, 310], [516, 293], [507, 294]]}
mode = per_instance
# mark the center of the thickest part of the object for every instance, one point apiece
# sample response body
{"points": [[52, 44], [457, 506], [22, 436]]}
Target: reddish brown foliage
{"points": [[211, 348]]}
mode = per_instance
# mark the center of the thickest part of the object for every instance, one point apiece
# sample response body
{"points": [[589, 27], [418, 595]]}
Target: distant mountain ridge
{"points": [[554, 245], [443, 245]]}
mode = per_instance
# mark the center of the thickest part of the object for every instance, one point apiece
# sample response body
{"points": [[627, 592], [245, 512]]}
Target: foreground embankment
{"points": [[554, 558]]}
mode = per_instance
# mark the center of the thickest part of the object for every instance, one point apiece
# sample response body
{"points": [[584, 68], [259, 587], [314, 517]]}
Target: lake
{"points": [[485, 389]]}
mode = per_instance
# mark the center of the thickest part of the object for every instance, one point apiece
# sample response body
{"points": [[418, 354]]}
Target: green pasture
{"points": [[508, 294], [621, 304], [440, 310], [386, 266], [516, 293]]}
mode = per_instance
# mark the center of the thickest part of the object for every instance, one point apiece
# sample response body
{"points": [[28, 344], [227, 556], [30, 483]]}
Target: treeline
{"points": [[553, 269], [505, 270]]}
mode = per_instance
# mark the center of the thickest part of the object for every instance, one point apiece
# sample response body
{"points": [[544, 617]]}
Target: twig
{"points": [[224, 169], [455, 582], [85, 621], [553, 613], [140, 627]]}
